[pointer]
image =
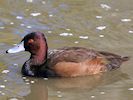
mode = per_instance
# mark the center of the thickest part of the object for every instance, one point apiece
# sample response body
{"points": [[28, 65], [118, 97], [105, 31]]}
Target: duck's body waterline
{"points": [[65, 62]]}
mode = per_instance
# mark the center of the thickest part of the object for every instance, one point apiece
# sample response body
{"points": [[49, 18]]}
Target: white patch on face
{"points": [[17, 48]]}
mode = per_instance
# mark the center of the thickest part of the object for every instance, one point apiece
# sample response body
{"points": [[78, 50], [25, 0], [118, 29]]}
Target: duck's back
{"points": [[77, 61]]}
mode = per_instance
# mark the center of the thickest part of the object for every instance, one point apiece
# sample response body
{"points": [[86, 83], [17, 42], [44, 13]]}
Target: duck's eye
{"points": [[30, 41]]}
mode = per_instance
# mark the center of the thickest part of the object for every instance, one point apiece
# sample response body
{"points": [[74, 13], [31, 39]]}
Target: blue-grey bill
{"points": [[18, 48]]}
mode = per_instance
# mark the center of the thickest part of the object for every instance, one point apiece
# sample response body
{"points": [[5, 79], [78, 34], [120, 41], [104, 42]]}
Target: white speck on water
{"points": [[5, 71], [35, 14], [100, 27], [22, 25], [28, 26], [92, 96], [58, 92], [45, 78], [2, 93], [27, 80], [2, 27], [68, 29], [59, 96], [126, 20], [43, 2], [27, 9], [49, 31], [27, 83], [32, 82], [2, 86], [5, 80], [29, 1], [66, 34], [15, 64], [99, 17], [76, 42], [13, 99], [24, 78], [131, 89], [11, 23], [116, 9], [101, 36], [50, 15], [14, 44], [130, 31], [83, 37], [105, 6], [102, 92], [19, 17]]}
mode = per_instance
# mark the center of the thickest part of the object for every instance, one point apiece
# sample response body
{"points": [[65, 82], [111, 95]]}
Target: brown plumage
{"points": [[77, 61], [67, 61]]}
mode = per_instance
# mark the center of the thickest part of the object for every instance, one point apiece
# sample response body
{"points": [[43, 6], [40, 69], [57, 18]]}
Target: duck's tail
{"points": [[114, 61], [126, 58]]}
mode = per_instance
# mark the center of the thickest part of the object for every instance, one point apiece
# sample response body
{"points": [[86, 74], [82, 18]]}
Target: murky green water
{"points": [[99, 24]]}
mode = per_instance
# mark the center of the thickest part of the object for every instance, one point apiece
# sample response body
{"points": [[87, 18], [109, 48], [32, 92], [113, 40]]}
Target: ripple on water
{"points": [[3, 93], [22, 25], [92, 96], [126, 20], [16, 65], [105, 6], [58, 92], [66, 34], [28, 26], [2, 27], [27, 83], [19, 17], [24, 78], [131, 89], [45, 79], [50, 15], [27, 80], [102, 92], [76, 42], [83, 37], [13, 98], [99, 17], [49, 31], [32, 82], [5, 71], [101, 27], [2, 86], [59, 96], [101, 35], [35, 14], [11, 23], [130, 31], [29, 1], [43, 2], [5, 80], [68, 29]]}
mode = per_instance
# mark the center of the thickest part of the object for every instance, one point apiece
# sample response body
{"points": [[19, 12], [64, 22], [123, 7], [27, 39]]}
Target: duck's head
{"points": [[32, 42], [36, 44]]}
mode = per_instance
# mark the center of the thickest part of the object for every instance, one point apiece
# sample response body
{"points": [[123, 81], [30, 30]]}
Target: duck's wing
{"points": [[71, 54]]}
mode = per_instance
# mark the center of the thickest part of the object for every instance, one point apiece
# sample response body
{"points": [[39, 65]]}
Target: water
{"points": [[99, 24]]}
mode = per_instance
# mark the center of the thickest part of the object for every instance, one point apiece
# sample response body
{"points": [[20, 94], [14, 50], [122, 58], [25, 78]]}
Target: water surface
{"points": [[100, 24]]}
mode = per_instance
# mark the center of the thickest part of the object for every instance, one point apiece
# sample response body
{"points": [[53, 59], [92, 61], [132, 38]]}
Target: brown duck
{"points": [[64, 62]]}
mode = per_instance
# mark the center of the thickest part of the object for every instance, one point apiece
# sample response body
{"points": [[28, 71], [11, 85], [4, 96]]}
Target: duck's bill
{"points": [[17, 48]]}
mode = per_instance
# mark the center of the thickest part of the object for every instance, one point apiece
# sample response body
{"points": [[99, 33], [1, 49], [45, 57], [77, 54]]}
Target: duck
{"points": [[63, 62]]}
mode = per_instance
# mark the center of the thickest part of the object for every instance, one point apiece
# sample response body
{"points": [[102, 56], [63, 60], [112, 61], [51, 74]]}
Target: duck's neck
{"points": [[40, 57]]}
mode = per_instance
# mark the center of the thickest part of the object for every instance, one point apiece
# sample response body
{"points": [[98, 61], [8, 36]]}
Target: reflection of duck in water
{"points": [[65, 62], [86, 83]]}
